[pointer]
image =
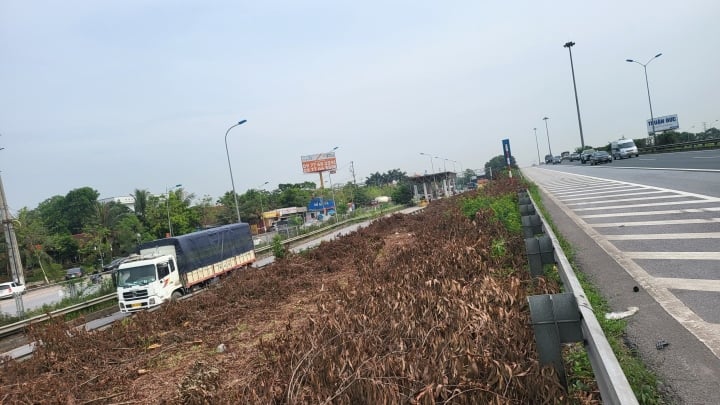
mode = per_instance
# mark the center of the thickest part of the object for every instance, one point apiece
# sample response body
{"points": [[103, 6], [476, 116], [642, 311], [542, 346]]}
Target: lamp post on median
{"points": [[569, 46], [647, 85], [232, 181], [537, 145], [547, 133]]}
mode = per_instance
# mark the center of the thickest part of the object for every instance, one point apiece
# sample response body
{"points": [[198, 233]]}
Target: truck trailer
{"points": [[169, 268]]}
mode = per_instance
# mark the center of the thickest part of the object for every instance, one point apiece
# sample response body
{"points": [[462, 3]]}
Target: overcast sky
{"points": [[119, 95]]}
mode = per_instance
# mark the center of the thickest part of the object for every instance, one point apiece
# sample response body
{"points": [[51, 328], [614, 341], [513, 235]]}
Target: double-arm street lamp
{"points": [[232, 181], [647, 85]]}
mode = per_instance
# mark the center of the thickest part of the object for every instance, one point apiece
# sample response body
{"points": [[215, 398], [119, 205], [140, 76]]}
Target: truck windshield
{"points": [[626, 144], [140, 275]]}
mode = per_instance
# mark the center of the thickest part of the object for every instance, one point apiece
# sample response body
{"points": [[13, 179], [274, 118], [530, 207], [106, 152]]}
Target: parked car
{"points": [[75, 272], [585, 155], [113, 265], [600, 157], [574, 156], [557, 160], [8, 289]]}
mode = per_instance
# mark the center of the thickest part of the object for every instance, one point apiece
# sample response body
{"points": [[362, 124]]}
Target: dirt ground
{"points": [[412, 309]]}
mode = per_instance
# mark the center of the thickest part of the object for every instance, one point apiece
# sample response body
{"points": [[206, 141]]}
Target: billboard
{"points": [[319, 162], [665, 123]]}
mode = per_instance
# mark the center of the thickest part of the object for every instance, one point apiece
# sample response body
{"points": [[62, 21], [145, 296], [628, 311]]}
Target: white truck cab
{"points": [[147, 281]]}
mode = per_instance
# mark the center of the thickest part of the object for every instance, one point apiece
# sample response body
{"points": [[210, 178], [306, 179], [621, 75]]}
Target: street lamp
{"points": [[547, 133], [431, 162], [332, 189], [569, 46], [537, 145], [232, 181], [167, 205], [262, 210], [644, 65]]}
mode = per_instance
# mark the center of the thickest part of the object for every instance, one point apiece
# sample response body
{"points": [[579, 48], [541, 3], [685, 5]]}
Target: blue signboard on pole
{"points": [[506, 152]]}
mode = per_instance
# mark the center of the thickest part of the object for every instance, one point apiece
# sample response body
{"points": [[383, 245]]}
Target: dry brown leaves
{"points": [[409, 310]]}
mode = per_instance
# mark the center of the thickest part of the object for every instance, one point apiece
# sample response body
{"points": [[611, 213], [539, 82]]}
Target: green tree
{"points": [[497, 165], [403, 193], [141, 201], [79, 208]]}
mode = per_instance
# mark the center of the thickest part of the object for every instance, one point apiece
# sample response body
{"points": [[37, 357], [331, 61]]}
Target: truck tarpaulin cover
{"points": [[206, 247]]}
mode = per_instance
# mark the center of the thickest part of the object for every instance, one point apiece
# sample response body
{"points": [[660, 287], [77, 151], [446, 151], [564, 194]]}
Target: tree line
{"points": [[80, 229]]}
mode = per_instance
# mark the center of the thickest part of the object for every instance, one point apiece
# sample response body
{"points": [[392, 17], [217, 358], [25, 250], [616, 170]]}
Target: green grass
{"points": [[504, 209], [643, 381]]}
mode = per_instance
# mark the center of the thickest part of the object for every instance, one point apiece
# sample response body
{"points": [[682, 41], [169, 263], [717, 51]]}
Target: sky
{"points": [[139, 94]]}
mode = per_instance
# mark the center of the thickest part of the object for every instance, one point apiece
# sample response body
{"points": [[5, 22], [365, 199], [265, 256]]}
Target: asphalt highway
{"points": [[646, 232]]}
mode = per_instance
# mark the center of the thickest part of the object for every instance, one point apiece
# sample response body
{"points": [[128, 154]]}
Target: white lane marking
{"points": [[606, 191], [688, 284], [614, 195], [660, 236], [704, 157], [672, 169], [707, 333], [632, 206], [653, 223], [585, 189], [611, 200], [674, 255], [664, 212]]}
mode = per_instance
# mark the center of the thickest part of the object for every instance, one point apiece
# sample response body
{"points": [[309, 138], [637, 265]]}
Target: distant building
{"points": [[128, 201]]}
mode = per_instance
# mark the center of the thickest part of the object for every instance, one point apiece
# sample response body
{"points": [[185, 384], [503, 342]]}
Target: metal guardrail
{"points": [[612, 382], [19, 326], [712, 142]]}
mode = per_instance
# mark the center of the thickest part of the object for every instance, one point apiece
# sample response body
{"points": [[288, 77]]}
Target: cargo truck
{"points": [[169, 268]]}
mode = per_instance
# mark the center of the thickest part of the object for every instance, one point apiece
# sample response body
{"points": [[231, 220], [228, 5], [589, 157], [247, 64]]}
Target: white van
{"points": [[623, 148]]}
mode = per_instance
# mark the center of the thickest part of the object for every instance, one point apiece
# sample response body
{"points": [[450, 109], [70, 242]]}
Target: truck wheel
{"points": [[175, 295]]}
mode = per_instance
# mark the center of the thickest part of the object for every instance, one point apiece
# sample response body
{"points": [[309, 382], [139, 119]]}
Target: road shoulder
{"points": [[688, 369]]}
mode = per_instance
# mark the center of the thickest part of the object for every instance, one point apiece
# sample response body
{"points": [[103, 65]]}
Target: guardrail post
{"points": [[532, 225], [556, 320], [540, 251]]}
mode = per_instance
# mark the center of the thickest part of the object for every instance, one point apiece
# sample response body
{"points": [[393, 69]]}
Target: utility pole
{"points": [[16, 269]]}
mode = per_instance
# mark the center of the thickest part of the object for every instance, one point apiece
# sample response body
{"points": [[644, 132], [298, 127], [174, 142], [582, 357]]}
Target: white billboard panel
{"points": [[666, 123]]}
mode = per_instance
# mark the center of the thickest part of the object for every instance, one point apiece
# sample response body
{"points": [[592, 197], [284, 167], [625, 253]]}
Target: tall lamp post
{"points": [[537, 145], [262, 210], [547, 133], [167, 205], [232, 181], [332, 189], [569, 46], [647, 85]]}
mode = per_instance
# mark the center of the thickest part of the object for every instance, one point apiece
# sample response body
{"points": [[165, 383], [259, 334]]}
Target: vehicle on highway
{"points": [[7, 290], [169, 268], [548, 159], [565, 155], [113, 265], [557, 160], [623, 148], [600, 157], [585, 155], [75, 272], [574, 156]]}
